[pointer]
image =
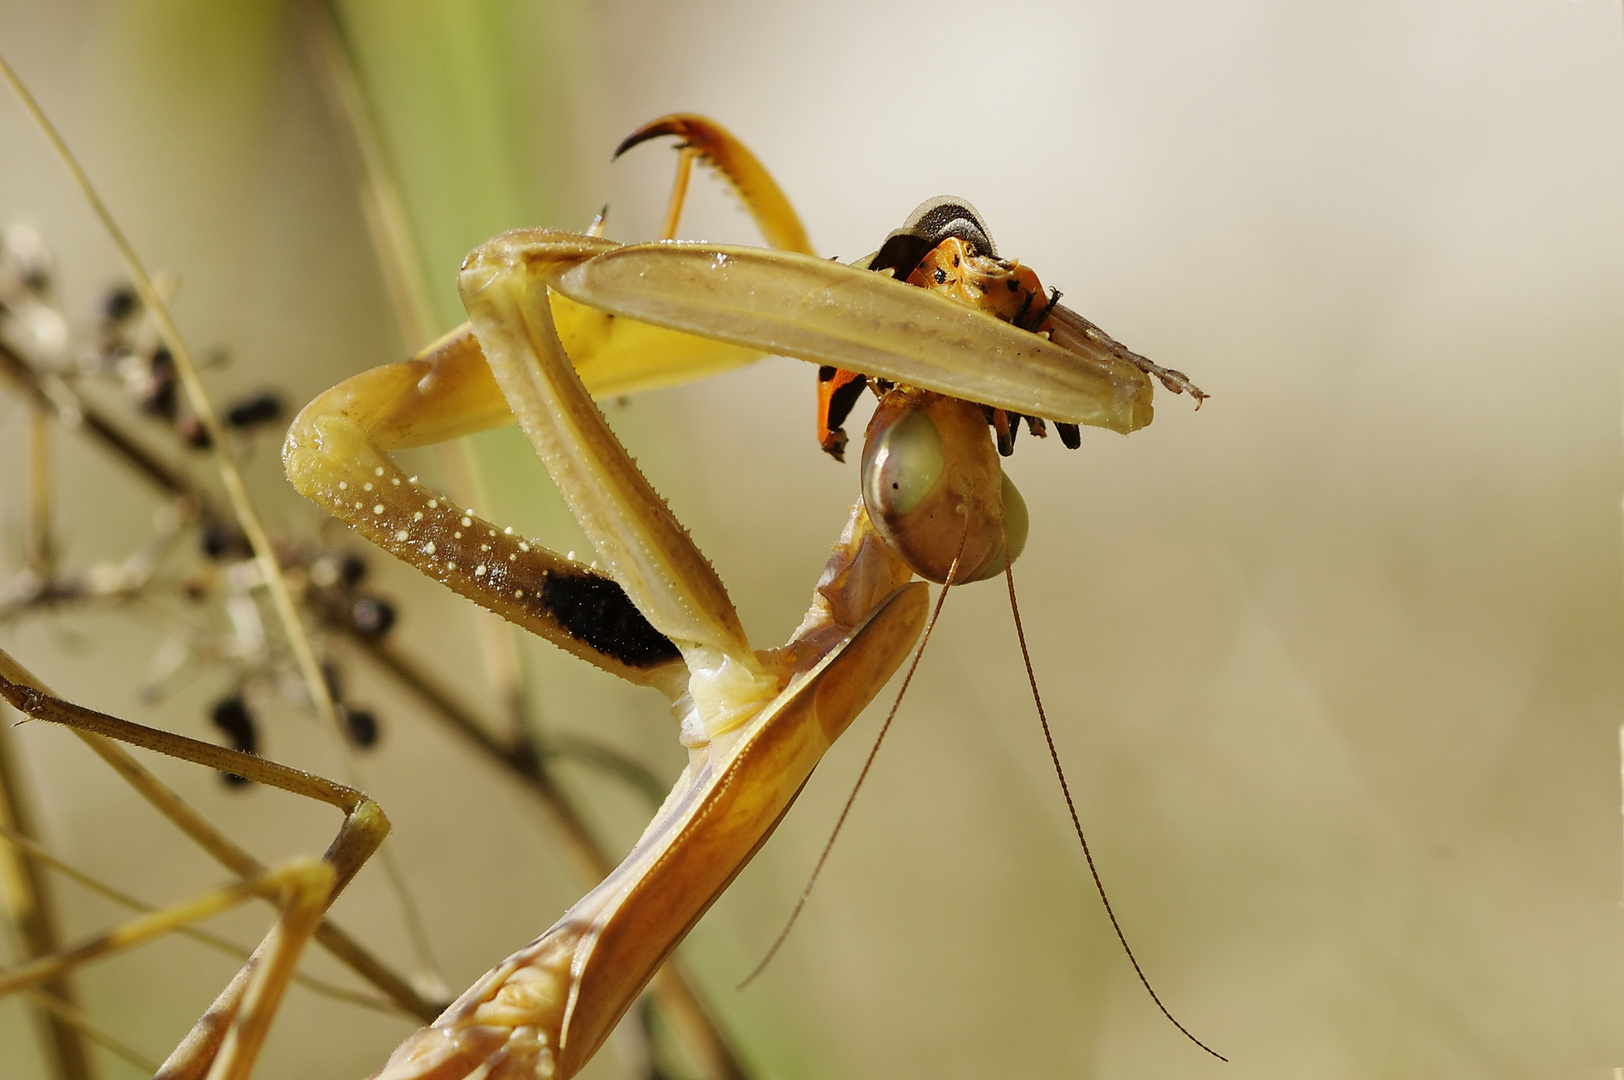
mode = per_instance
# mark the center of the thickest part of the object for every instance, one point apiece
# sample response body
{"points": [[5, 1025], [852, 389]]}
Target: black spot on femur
{"points": [[597, 610]]}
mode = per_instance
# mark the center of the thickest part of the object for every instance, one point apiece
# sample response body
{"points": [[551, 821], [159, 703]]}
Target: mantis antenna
{"points": [[1076, 822]]}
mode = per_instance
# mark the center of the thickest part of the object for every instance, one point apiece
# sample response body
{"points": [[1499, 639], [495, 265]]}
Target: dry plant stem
{"points": [[517, 757], [27, 893], [382, 204], [240, 1015], [306, 893], [141, 930], [91, 1030], [73, 412], [236, 492], [30, 907], [93, 728], [41, 550], [695, 1025], [213, 941], [218, 845]]}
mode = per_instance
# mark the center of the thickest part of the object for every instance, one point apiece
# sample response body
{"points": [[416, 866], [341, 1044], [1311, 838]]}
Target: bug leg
{"points": [[1004, 427], [838, 391]]}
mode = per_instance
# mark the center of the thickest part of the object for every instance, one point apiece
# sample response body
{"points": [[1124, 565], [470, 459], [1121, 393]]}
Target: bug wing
{"points": [[830, 313]]}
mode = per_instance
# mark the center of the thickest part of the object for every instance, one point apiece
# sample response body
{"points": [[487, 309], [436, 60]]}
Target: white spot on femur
{"points": [[343, 485], [357, 506], [367, 486], [513, 558], [479, 571], [508, 531], [395, 480], [570, 555], [449, 565], [417, 515], [377, 508], [493, 532], [484, 547], [466, 521], [434, 504], [378, 471], [428, 548], [401, 534], [523, 546], [518, 594], [456, 536]]}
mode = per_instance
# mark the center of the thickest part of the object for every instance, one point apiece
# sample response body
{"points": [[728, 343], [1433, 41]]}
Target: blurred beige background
{"points": [[1334, 664]]}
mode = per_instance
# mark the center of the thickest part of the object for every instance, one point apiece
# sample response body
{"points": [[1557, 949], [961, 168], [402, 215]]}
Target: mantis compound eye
{"points": [[932, 482], [903, 466]]}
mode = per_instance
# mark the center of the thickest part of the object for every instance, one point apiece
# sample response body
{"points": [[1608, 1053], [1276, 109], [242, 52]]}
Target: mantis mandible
{"points": [[557, 316]]}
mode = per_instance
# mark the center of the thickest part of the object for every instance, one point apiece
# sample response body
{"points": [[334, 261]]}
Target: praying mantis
{"points": [[551, 313], [754, 723]]}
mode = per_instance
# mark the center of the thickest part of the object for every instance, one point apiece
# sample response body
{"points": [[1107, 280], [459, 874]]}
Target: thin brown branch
{"points": [[31, 907]]}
